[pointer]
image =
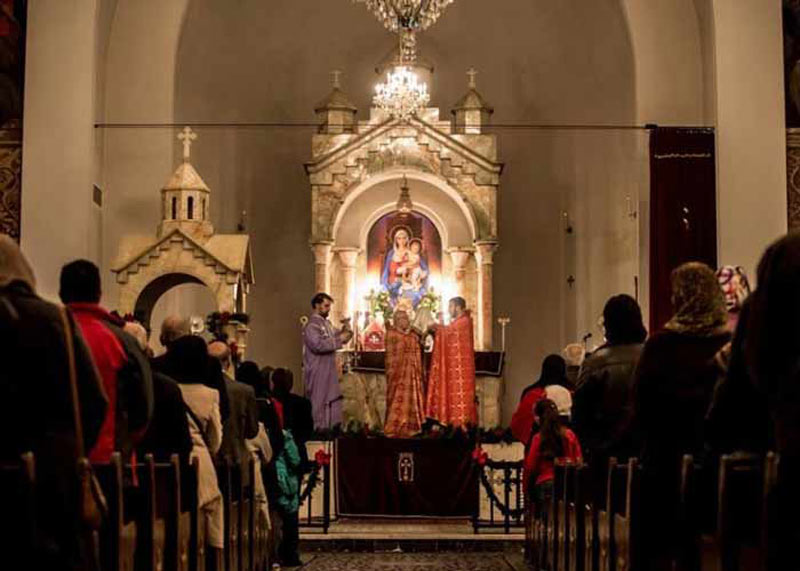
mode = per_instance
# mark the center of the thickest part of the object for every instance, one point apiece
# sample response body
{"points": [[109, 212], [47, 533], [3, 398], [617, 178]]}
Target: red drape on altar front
{"points": [[451, 386]]}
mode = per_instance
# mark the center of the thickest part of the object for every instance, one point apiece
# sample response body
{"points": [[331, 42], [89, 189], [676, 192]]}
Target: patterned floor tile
{"points": [[411, 562]]}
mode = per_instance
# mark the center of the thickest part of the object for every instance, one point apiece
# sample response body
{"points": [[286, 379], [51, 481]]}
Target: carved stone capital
{"points": [[460, 257], [322, 252], [484, 252], [348, 257]]}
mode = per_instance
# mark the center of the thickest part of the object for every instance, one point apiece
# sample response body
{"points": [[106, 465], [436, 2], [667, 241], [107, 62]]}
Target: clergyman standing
{"points": [[320, 343]]}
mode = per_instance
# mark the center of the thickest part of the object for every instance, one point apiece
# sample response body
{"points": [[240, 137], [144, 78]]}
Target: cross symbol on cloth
{"points": [[186, 137], [472, 74]]}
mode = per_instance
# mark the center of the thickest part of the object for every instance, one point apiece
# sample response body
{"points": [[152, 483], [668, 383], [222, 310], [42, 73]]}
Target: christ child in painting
{"points": [[413, 274]]}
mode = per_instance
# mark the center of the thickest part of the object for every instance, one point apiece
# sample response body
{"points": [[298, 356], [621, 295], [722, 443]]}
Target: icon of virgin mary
{"points": [[405, 269]]}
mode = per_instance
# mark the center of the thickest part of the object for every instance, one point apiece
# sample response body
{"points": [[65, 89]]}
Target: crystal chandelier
{"points": [[402, 95], [397, 15]]}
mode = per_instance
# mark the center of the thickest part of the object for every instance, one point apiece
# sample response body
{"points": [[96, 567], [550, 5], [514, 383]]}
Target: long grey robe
{"points": [[320, 343]]}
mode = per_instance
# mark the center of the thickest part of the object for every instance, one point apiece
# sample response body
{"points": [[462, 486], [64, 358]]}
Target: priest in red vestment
{"points": [[451, 385], [405, 405]]}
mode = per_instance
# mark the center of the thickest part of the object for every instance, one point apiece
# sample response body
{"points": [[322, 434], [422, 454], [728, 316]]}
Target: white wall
{"points": [[58, 138], [751, 129]]}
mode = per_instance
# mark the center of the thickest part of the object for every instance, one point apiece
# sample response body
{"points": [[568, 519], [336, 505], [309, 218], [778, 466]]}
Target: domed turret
{"points": [[336, 112], [471, 113]]}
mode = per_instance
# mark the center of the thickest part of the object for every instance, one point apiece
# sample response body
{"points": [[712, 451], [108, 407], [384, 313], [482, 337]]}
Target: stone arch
{"points": [[365, 184], [153, 291]]}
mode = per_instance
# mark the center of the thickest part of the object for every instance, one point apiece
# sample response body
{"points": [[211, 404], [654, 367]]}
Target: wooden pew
{"points": [[228, 474], [247, 515], [151, 525], [118, 535], [604, 526], [576, 502], [197, 551], [258, 533], [624, 515], [560, 509], [771, 464], [171, 519], [588, 517], [739, 511], [18, 486]]}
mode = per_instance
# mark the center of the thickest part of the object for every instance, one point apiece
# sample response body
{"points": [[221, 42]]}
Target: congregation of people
{"points": [[192, 402], [720, 377]]}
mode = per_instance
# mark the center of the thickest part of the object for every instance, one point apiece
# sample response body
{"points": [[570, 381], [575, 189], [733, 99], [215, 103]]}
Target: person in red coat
{"points": [[554, 373], [553, 441], [123, 367]]}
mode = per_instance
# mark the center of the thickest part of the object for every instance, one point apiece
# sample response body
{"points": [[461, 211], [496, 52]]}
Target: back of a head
{"points": [[13, 265], [622, 319], [562, 398], [220, 351], [173, 328], [282, 381], [550, 429], [459, 302], [554, 371], [188, 360], [249, 374], [138, 332], [773, 336], [80, 282]]}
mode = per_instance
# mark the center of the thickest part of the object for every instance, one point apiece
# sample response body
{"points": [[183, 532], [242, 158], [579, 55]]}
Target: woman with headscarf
{"points": [[768, 339], [674, 382], [189, 367], [552, 384], [36, 414], [736, 288], [603, 401]]}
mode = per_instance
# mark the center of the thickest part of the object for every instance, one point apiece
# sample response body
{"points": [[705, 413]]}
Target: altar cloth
{"points": [[405, 478]]}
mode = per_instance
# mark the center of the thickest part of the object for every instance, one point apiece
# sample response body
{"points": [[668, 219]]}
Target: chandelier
{"points": [[397, 15], [402, 95], [404, 204]]}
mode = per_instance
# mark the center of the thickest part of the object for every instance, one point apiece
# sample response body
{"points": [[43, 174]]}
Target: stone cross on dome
{"points": [[472, 73], [336, 74], [187, 136]]}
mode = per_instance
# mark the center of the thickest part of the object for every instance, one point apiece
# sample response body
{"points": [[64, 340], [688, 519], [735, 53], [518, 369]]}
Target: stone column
{"points": [[347, 259], [322, 266], [460, 257], [485, 257]]}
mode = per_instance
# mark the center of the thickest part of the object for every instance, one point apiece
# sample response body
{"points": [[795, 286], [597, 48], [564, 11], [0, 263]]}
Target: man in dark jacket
{"points": [[122, 365], [36, 413], [242, 421]]}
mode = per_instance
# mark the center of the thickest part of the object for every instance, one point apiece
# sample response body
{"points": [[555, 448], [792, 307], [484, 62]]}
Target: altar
{"points": [[364, 389], [404, 216]]}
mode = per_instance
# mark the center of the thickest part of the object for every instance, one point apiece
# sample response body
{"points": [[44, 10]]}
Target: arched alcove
{"points": [[173, 294]]}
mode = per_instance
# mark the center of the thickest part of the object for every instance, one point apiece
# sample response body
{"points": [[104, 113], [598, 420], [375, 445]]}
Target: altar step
{"points": [[391, 535]]}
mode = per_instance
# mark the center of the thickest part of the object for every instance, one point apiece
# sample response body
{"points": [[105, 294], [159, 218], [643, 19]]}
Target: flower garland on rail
{"points": [[482, 461], [321, 458]]}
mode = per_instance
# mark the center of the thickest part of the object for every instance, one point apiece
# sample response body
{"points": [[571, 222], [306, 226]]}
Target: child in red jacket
{"points": [[554, 440]]}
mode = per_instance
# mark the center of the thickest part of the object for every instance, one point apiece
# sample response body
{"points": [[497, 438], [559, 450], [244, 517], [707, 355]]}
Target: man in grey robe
{"points": [[320, 343]]}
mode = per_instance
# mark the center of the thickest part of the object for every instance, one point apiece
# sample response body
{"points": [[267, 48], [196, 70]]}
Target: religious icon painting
{"points": [[404, 253]]}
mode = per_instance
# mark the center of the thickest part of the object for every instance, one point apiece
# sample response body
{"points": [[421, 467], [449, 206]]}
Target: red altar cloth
{"points": [[451, 385]]}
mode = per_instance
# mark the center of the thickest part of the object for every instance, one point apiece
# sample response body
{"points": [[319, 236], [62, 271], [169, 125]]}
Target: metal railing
{"points": [[506, 511], [317, 482]]}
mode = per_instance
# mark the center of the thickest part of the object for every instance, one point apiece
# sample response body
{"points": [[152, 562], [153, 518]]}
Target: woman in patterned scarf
{"points": [[673, 387]]}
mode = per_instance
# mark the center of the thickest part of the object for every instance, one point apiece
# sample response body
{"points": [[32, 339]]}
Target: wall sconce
{"points": [[633, 214], [566, 222]]}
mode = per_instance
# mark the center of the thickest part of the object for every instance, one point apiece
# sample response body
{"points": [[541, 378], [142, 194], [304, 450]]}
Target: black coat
{"points": [[602, 407], [168, 432], [299, 419], [36, 414]]}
